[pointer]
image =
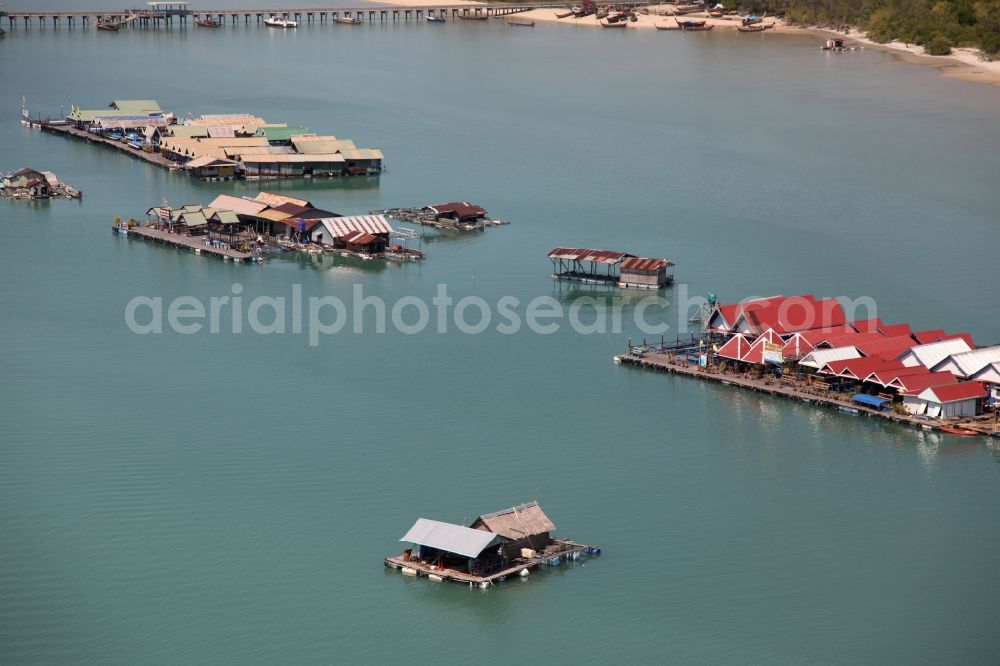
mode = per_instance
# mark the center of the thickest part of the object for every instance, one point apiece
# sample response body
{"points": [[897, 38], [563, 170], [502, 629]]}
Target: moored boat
{"points": [[752, 20], [754, 28], [108, 25], [347, 20], [435, 19], [620, 24], [276, 22], [473, 17], [955, 430], [833, 45], [690, 24], [666, 27], [208, 23], [526, 23]]}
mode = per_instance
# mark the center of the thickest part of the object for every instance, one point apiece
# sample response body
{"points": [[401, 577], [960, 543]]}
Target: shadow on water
{"points": [[330, 261]]}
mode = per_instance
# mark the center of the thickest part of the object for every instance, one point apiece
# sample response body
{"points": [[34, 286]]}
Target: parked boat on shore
{"points": [[755, 28], [620, 24], [666, 27], [689, 24]]}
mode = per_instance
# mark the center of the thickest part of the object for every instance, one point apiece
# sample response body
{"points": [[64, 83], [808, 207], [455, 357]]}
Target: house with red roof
{"points": [[735, 348], [947, 401], [797, 313], [917, 382], [887, 348]]}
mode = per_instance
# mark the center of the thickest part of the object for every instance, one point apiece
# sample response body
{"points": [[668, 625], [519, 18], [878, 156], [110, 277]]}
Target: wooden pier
{"points": [[147, 18], [90, 137], [667, 361], [193, 243], [560, 551]]}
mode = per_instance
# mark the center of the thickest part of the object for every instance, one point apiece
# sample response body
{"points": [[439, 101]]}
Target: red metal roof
{"points": [[885, 377], [929, 336], [917, 382], [596, 256], [893, 330], [850, 339], [360, 238], [887, 348], [756, 352], [735, 348], [867, 325], [859, 368], [460, 208], [956, 392], [641, 264], [797, 313]]}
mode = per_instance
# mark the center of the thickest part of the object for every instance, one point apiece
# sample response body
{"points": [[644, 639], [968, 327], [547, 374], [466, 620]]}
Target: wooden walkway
{"points": [[90, 137], [193, 243], [823, 398], [145, 18]]}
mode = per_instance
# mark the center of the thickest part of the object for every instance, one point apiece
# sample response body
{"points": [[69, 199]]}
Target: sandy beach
{"points": [[962, 63]]}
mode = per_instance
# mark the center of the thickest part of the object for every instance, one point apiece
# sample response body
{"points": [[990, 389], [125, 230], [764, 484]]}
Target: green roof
{"points": [[194, 219], [226, 217], [281, 133], [137, 107]]}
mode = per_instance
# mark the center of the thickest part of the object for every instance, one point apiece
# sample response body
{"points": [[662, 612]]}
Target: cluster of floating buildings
{"points": [[219, 147], [494, 546], [929, 373], [610, 267], [805, 347], [253, 225], [28, 183]]}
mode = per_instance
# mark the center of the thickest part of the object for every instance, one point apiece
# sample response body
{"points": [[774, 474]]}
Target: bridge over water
{"points": [[179, 15]]}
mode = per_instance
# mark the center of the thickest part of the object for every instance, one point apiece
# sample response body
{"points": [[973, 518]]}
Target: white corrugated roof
{"points": [[970, 362], [448, 537], [370, 224], [820, 357], [933, 353]]}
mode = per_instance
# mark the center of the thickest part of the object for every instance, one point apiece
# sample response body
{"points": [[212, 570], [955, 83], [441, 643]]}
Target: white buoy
{"points": [[408, 571], [485, 584], [435, 578], [523, 573]]}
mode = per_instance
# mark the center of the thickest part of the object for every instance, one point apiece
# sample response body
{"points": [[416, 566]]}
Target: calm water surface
{"points": [[229, 498]]}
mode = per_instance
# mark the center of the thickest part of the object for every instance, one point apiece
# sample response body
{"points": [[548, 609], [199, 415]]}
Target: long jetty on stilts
{"points": [[178, 14]]}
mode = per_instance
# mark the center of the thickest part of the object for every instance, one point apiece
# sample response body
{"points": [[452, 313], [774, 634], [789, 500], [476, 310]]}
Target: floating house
{"points": [[460, 212], [224, 146], [610, 266], [506, 543], [642, 273], [948, 401], [28, 183], [364, 234]]}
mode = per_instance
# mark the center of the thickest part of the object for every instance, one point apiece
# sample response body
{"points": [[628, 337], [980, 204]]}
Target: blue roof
{"points": [[870, 400]]}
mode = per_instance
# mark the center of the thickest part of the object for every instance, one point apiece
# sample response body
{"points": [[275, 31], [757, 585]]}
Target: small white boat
{"points": [[276, 22]]}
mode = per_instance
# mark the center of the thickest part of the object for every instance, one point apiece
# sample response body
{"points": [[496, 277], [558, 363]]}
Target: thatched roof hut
{"points": [[517, 522]]}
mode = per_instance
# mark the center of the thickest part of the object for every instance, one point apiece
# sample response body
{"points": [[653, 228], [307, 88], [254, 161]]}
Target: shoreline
{"points": [[963, 63]]}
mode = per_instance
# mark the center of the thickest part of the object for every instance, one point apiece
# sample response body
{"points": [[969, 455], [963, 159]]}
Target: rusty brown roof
{"points": [[642, 264], [580, 254]]}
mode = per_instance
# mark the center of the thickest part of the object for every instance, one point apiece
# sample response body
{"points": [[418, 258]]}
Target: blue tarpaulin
{"points": [[869, 400]]}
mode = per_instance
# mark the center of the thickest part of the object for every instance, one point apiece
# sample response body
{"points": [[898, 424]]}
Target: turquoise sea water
{"points": [[229, 498]]}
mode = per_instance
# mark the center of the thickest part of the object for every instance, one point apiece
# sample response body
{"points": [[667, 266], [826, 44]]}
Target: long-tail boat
{"points": [[473, 17], [564, 14], [108, 25], [208, 23], [620, 24], [666, 27], [754, 28], [689, 24]]}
